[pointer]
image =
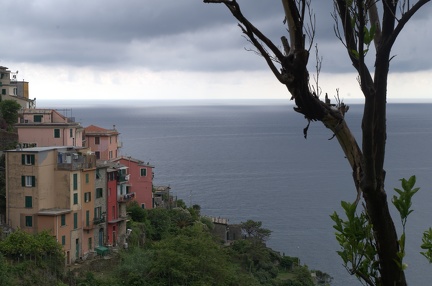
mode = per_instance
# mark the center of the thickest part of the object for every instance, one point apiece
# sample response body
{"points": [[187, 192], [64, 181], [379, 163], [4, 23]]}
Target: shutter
{"points": [[33, 181], [23, 181], [32, 158], [22, 159]]}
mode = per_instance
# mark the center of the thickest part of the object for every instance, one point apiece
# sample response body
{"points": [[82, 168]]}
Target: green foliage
{"points": [[355, 236], [136, 212], [403, 205], [403, 202], [427, 244], [9, 111], [253, 230], [41, 249], [5, 277], [181, 204], [301, 277], [160, 224], [190, 258]]}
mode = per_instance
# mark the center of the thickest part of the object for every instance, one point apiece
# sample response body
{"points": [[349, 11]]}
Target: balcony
{"points": [[90, 226], [98, 220], [123, 178], [126, 198]]}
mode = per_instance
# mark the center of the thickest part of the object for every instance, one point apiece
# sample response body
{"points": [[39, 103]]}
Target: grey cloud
{"points": [[165, 35]]}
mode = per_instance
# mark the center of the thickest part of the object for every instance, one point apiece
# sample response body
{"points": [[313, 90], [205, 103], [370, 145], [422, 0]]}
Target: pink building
{"points": [[140, 181], [47, 127], [117, 198], [104, 142]]}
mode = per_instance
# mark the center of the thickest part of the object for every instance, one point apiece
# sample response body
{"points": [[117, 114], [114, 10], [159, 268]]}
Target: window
{"points": [[29, 221], [56, 133], [75, 216], [143, 172], [29, 202], [37, 118], [97, 153], [87, 197], [98, 174], [143, 206], [75, 198], [97, 140], [87, 218], [87, 178], [99, 193], [3, 91], [28, 181], [110, 154], [63, 220], [90, 243], [28, 159], [71, 133], [75, 182], [63, 239], [98, 212]]}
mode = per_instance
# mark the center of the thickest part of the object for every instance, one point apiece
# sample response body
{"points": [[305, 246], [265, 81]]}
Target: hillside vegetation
{"points": [[165, 247]]}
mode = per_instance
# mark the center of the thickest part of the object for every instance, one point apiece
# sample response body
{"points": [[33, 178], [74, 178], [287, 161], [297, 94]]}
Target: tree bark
{"points": [[366, 163]]}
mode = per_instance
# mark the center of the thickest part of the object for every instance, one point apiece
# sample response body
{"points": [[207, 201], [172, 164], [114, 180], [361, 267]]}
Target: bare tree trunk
{"points": [[366, 163]]}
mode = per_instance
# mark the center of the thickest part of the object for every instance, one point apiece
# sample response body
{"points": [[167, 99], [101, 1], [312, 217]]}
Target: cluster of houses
{"points": [[70, 180]]}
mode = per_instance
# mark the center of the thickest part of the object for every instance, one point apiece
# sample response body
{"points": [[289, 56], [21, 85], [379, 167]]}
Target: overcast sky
{"points": [[182, 49]]}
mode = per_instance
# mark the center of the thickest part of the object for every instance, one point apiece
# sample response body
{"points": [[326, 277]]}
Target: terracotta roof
{"points": [[93, 129]]}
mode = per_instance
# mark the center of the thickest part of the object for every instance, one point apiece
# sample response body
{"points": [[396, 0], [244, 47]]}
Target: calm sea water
{"points": [[251, 162]]}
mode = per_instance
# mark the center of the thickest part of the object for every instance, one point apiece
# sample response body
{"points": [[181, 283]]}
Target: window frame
{"points": [[28, 202], [97, 140], [29, 221], [87, 197], [75, 181], [99, 193], [37, 118], [57, 133], [145, 172], [28, 181], [27, 159], [75, 220]]}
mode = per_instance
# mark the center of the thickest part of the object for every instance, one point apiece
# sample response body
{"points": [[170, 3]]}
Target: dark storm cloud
{"points": [[160, 35]]}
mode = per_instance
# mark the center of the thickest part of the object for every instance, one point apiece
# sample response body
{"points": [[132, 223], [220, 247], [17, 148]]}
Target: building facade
{"points": [[46, 190], [104, 142], [140, 181], [11, 89], [48, 127]]}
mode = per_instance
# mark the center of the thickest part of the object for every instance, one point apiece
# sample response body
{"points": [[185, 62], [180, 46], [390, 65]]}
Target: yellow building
{"points": [[47, 189]]}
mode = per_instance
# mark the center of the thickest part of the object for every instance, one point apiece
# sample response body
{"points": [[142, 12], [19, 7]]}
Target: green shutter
{"points": [[75, 199], [63, 240], [87, 218], [33, 181], [63, 219], [28, 202], [75, 181], [32, 159], [23, 159], [75, 220], [23, 181]]}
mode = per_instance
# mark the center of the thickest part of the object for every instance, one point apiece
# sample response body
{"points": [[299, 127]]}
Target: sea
{"points": [[244, 160]]}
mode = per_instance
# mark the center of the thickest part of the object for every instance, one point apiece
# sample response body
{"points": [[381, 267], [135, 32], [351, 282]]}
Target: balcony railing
{"points": [[126, 198], [98, 220], [123, 178]]}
